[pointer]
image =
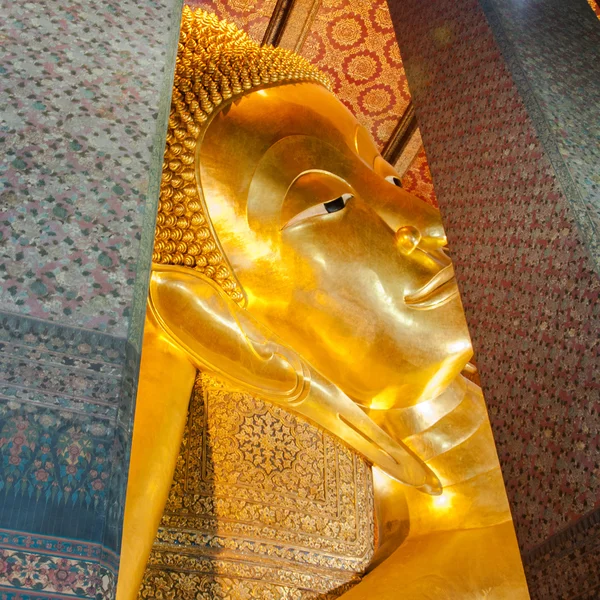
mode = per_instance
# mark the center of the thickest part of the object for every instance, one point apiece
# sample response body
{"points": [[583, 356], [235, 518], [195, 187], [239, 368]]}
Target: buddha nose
{"points": [[407, 238]]}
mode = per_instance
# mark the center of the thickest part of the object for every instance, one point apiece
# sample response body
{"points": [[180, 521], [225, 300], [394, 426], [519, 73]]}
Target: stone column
{"points": [[552, 50], [85, 96], [513, 185]]}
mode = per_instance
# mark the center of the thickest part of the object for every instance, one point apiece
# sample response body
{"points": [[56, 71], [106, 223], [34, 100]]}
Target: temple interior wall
{"points": [[555, 70]]}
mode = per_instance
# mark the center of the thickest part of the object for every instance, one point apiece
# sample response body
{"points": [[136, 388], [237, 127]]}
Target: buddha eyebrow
{"points": [[364, 145]]}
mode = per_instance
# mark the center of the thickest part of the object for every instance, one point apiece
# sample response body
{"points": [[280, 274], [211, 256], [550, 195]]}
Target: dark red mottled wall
{"points": [[528, 285]]}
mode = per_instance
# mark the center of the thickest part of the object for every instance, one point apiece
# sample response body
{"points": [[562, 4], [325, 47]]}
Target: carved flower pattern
{"points": [[255, 443], [263, 505], [54, 575], [267, 443]]}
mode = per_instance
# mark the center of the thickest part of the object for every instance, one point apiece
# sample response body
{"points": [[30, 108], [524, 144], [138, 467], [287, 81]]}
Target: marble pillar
{"points": [[507, 108], [552, 50], [85, 91]]}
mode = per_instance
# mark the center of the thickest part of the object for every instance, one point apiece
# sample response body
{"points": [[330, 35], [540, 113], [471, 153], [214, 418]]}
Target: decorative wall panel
{"points": [[85, 91], [72, 182], [555, 69], [48, 568], [567, 565], [59, 399], [263, 505]]}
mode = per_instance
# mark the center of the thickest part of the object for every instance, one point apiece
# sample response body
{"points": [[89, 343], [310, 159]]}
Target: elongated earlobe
{"points": [[221, 337]]}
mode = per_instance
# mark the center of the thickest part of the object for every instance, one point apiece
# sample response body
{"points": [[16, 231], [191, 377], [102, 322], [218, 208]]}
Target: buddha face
{"points": [[338, 261]]}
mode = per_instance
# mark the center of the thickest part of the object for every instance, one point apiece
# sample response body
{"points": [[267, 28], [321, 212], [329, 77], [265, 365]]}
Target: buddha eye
{"points": [[394, 180], [317, 210], [337, 204]]}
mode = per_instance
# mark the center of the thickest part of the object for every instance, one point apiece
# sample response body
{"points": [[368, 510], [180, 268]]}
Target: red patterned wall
{"points": [[418, 181], [353, 41]]}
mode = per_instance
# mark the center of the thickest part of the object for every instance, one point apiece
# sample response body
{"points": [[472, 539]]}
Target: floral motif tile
{"points": [[48, 568], [353, 42]]}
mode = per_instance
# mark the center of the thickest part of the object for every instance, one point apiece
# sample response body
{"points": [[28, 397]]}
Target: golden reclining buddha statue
{"points": [[296, 285]]}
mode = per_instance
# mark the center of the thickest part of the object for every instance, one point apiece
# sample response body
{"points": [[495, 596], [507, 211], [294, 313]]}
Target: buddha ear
{"points": [[221, 337]]}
